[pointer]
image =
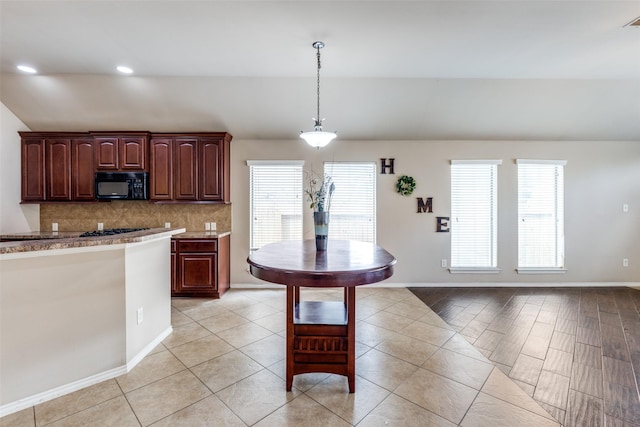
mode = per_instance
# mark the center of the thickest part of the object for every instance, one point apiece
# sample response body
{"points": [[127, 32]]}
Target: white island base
{"points": [[69, 318]]}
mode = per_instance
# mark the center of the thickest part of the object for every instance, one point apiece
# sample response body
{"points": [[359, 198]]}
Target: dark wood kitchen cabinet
{"points": [[161, 169], [57, 167], [186, 169], [82, 169], [201, 266], [126, 151], [174, 263], [190, 167], [214, 170], [33, 169]]}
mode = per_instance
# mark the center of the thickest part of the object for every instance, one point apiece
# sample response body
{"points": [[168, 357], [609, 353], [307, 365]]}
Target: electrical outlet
{"points": [[625, 208], [213, 226], [625, 262], [207, 226], [100, 226], [140, 315], [443, 263], [167, 225], [54, 226]]}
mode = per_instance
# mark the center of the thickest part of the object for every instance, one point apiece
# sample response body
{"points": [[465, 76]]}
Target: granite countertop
{"points": [[48, 240], [201, 235], [35, 235]]}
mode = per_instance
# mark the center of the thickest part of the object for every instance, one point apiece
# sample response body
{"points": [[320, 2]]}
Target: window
{"points": [[353, 207], [276, 202], [540, 214], [474, 214]]}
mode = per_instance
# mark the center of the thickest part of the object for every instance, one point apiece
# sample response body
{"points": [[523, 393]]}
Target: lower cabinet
{"points": [[200, 266]]}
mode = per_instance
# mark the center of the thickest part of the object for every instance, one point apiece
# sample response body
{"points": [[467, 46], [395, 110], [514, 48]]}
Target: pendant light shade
{"points": [[317, 137]]}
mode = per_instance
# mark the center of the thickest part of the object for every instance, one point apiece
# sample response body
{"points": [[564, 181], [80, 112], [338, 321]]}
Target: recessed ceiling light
{"points": [[27, 69], [124, 70]]}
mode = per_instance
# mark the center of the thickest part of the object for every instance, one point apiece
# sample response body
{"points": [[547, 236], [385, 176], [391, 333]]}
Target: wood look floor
{"points": [[576, 351]]}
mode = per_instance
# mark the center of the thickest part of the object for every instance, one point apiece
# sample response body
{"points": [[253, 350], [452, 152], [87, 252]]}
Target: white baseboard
{"points": [[464, 285], [147, 349], [53, 393]]}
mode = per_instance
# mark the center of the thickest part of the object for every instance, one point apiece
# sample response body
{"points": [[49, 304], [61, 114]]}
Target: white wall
{"points": [[599, 178], [68, 317], [63, 319], [14, 217], [148, 287]]}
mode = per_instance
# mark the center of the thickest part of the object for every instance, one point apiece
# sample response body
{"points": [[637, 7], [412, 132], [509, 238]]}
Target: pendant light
{"points": [[318, 138]]}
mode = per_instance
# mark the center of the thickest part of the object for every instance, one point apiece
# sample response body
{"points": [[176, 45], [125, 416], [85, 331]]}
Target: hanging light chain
{"points": [[318, 46]]}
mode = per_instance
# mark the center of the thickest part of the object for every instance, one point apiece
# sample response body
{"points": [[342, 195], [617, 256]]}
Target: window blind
{"points": [[474, 213], [276, 202], [540, 214], [353, 208]]}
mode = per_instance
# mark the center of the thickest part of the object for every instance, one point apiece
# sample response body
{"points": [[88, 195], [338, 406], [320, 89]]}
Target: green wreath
{"points": [[405, 185]]}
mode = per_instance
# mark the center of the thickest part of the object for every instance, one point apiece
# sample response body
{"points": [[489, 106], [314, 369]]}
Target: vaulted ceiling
{"points": [[391, 70]]}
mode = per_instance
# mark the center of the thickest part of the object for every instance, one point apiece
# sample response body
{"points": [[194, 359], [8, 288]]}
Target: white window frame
{"points": [[557, 213], [346, 202], [491, 215], [297, 192]]}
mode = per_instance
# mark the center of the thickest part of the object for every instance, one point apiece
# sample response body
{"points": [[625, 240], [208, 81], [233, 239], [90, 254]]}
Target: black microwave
{"points": [[122, 185]]}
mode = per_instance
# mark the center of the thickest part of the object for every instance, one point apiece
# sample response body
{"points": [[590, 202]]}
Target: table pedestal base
{"points": [[321, 336]]}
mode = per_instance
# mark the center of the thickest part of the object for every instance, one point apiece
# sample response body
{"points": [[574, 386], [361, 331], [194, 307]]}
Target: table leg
{"points": [[350, 294], [291, 290]]}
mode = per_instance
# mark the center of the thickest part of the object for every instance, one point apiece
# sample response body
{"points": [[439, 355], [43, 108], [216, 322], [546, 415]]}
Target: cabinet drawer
{"points": [[197, 245]]}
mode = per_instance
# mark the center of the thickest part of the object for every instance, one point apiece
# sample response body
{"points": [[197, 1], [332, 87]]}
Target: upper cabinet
{"points": [[121, 151], [161, 165], [183, 168], [190, 167], [57, 153], [82, 169], [33, 178], [57, 166]]}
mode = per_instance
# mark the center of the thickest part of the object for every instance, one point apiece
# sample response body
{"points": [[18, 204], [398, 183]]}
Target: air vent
{"points": [[634, 23]]}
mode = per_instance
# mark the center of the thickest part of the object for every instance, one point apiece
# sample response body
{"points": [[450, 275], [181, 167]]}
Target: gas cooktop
{"points": [[110, 231]]}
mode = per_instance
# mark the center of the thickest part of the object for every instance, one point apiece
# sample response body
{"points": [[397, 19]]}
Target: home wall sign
{"points": [[425, 206], [442, 224], [386, 164], [405, 185]]}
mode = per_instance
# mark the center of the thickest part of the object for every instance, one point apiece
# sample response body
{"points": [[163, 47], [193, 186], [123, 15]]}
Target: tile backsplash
{"points": [[131, 213]]}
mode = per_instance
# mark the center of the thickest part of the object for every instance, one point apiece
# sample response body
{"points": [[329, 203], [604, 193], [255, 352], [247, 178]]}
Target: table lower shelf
{"points": [[322, 339], [320, 313]]}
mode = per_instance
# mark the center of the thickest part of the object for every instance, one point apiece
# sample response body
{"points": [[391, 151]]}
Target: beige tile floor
{"points": [[224, 366]]}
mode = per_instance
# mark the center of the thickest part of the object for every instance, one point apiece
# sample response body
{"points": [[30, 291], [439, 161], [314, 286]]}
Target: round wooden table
{"points": [[321, 334]]}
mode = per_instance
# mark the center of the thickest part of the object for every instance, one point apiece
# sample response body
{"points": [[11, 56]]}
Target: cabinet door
{"points": [[106, 153], [133, 153], [174, 268], [211, 170], [82, 169], [161, 169], [197, 273], [33, 169], [186, 169], [58, 169]]}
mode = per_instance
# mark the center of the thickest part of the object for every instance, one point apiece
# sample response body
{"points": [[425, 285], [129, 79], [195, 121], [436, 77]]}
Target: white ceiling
{"points": [[533, 70]]}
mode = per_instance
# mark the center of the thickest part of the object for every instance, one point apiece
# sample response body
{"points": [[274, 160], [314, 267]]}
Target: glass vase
{"points": [[321, 226]]}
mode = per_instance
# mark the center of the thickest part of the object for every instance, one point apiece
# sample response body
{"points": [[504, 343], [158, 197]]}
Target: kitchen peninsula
{"points": [[75, 311]]}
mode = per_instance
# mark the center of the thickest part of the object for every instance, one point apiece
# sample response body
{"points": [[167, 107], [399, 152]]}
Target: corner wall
{"points": [[14, 217], [599, 178]]}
